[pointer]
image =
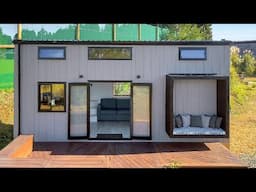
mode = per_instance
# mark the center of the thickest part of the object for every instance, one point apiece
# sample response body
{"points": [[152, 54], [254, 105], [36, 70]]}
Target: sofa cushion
{"points": [[196, 121], [185, 120], [212, 122], [123, 112], [178, 121], [205, 121], [123, 104], [108, 112], [108, 103], [218, 122]]}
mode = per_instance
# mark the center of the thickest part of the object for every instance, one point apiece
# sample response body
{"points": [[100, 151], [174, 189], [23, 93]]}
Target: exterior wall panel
{"points": [[151, 62]]}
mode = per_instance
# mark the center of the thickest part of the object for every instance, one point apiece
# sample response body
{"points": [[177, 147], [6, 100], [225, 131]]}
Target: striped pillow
{"points": [[196, 121], [212, 123], [218, 122]]}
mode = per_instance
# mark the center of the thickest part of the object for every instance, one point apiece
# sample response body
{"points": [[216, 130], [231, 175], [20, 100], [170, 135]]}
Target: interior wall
{"points": [[101, 90], [195, 97]]}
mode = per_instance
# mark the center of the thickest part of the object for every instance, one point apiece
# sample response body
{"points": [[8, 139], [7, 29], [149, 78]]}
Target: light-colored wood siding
{"points": [[195, 97], [16, 95], [152, 63]]}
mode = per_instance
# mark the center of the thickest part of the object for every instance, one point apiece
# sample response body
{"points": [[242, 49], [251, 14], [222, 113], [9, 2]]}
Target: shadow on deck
{"points": [[22, 152], [115, 148]]}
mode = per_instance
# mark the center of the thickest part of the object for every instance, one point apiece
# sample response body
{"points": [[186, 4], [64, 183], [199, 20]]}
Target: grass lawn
{"points": [[243, 128], [6, 73], [6, 66]]}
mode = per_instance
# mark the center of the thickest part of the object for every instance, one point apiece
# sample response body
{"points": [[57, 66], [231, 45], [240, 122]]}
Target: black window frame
{"points": [[193, 48], [51, 58], [130, 49], [39, 96]]}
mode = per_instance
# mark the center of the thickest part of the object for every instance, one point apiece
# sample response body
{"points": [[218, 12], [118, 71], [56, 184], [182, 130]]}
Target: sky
{"points": [[233, 32]]}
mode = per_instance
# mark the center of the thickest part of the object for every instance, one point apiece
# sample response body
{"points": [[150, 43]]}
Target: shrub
{"points": [[238, 88]]}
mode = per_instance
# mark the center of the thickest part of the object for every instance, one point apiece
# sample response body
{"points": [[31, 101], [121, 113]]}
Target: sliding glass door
{"points": [[141, 105], [78, 112]]}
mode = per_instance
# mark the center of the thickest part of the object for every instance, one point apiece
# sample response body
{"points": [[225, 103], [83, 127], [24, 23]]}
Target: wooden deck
{"points": [[126, 155]]}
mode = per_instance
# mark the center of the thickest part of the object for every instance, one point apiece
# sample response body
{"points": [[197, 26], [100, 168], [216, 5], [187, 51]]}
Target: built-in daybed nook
{"points": [[197, 105]]}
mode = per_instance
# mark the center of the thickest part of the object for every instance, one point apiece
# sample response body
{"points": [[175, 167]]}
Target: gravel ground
{"points": [[249, 159]]}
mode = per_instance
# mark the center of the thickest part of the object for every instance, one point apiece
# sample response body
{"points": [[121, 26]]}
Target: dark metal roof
{"points": [[242, 42], [125, 42], [196, 76]]}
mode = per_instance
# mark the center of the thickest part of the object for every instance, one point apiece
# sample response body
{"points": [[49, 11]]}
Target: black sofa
{"points": [[114, 109]]}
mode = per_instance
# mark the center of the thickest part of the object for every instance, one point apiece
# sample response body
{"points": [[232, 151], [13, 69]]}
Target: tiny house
{"points": [[171, 91]]}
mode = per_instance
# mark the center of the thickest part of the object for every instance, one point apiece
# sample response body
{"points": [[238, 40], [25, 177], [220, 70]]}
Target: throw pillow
{"points": [[178, 121], [218, 122], [212, 122], [195, 121], [205, 121], [186, 120]]}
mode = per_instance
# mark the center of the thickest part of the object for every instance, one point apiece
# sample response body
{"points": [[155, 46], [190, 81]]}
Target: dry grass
{"points": [[6, 117], [243, 126], [7, 106], [250, 79]]}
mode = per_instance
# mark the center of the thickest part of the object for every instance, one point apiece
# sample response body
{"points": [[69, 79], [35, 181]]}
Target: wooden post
{"points": [[19, 30], [157, 31], [139, 32], [113, 32], [77, 32], [6, 46]]}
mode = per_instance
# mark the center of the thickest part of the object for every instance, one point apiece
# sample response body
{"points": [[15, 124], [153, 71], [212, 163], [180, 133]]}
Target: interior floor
{"points": [[110, 127]]}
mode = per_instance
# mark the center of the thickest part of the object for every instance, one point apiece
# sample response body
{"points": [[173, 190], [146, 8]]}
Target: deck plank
{"points": [[126, 155]]}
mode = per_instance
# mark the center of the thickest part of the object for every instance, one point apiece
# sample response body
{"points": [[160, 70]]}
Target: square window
{"points": [[52, 97]]}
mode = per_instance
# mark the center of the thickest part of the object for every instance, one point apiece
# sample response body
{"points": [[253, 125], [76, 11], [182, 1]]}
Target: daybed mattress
{"points": [[198, 131]]}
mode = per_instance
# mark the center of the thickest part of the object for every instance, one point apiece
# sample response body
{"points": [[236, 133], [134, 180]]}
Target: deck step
{"points": [[109, 136]]}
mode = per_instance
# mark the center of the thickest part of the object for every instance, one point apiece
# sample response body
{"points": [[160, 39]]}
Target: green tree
{"points": [[28, 34], [187, 32], [5, 39], [248, 63], [235, 59], [243, 63], [43, 34]]}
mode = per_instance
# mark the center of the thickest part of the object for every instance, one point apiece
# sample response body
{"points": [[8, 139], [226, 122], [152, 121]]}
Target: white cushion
{"points": [[205, 121], [186, 120], [198, 131]]}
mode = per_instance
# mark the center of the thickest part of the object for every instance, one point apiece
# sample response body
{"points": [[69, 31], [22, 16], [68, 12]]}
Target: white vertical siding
{"points": [[28, 85], [152, 63], [195, 97], [16, 96]]}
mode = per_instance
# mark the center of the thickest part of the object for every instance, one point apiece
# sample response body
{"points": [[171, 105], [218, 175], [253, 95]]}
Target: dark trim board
{"points": [[196, 76], [19, 90], [109, 81], [222, 103], [169, 106], [125, 42]]}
